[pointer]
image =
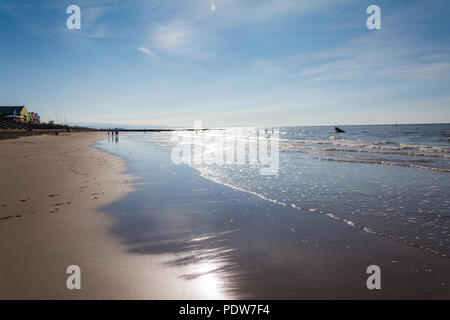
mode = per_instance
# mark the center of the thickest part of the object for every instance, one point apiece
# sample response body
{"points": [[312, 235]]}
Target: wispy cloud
{"points": [[195, 31], [174, 37], [178, 38], [352, 62], [147, 51], [303, 5], [388, 53]]}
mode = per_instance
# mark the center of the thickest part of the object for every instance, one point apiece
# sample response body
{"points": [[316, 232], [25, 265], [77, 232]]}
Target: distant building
{"points": [[18, 114], [15, 113]]}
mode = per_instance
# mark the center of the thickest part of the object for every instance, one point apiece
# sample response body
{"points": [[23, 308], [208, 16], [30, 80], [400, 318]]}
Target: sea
{"points": [[392, 181]]}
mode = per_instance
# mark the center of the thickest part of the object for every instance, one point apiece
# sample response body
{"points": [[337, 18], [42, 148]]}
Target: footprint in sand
{"points": [[9, 217], [61, 203], [54, 195]]}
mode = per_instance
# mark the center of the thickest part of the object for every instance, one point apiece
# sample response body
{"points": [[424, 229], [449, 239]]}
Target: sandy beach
{"points": [[52, 190]]}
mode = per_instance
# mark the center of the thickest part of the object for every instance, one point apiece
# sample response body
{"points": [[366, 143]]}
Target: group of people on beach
{"points": [[113, 132]]}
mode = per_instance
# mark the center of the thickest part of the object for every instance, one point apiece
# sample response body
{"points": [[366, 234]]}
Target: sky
{"points": [[227, 62]]}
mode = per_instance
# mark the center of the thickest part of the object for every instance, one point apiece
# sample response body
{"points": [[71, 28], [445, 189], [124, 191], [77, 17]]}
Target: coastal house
{"points": [[18, 114], [15, 113]]}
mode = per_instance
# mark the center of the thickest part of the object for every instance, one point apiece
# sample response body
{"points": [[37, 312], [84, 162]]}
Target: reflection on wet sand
{"points": [[113, 138]]}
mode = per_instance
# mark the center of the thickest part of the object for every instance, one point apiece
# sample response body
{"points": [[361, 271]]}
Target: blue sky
{"points": [[255, 63]]}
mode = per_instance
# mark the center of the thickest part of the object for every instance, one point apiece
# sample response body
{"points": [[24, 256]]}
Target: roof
{"points": [[9, 110], [14, 117]]}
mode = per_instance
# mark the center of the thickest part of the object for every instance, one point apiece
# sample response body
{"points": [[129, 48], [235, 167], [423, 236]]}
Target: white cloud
{"points": [[377, 55], [195, 31], [147, 52], [179, 38], [173, 37], [420, 71], [304, 5], [395, 52]]}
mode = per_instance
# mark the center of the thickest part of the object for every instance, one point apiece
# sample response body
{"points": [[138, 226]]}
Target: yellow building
{"points": [[15, 113]]}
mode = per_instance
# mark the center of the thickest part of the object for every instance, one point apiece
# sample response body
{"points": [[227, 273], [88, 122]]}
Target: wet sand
{"points": [[52, 189]]}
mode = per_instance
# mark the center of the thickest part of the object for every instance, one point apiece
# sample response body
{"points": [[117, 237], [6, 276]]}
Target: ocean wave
{"points": [[386, 147], [387, 163]]}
